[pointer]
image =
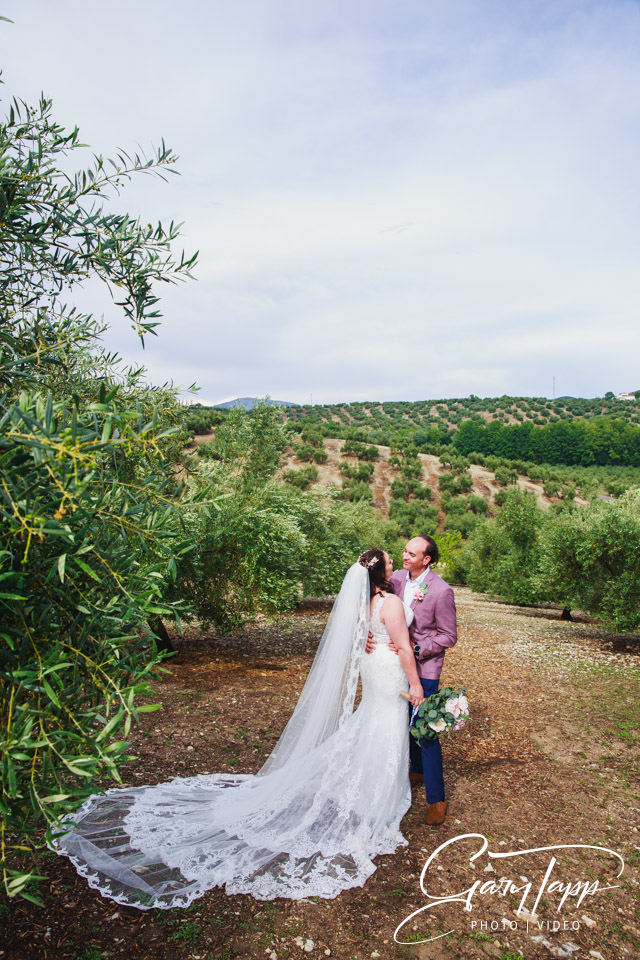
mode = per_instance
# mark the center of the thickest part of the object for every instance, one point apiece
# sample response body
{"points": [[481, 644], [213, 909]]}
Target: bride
{"points": [[329, 798]]}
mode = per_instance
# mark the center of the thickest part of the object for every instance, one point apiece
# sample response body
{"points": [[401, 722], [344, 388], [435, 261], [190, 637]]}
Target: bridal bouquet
{"points": [[442, 712]]}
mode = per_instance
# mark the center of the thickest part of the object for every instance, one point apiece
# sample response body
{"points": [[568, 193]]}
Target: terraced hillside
{"points": [[447, 493], [419, 463], [448, 414]]}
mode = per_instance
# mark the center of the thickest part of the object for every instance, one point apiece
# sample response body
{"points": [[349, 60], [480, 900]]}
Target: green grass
{"points": [[418, 937], [627, 729], [605, 705], [167, 917], [189, 933], [624, 935]]}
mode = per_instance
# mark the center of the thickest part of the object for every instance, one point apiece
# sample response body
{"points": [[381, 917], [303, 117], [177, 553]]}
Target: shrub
{"points": [[265, 543], [362, 471], [360, 450], [407, 489], [413, 518], [199, 420], [301, 478], [305, 452], [312, 435], [453, 505], [465, 482], [450, 484], [357, 490], [505, 476], [451, 563], [464, 523], [551, 488], [503, 555], [411, 469]]}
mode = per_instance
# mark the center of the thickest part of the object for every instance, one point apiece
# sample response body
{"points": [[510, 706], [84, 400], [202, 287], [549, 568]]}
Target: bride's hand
{"points": [[370, 645], [416, 693]]}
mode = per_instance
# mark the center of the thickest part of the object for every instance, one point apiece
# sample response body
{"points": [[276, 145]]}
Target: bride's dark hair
{"points": [[376, 567]]}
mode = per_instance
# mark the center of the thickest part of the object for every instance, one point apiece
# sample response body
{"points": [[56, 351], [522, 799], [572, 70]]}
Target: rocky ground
{"points": [[550, 758]]}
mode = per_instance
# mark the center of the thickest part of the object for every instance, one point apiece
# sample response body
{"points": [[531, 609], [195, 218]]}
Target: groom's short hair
{"points": [[432, 547]]}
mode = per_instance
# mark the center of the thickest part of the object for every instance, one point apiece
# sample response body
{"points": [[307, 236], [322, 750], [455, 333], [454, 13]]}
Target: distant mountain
{"points": [[248, 403]]}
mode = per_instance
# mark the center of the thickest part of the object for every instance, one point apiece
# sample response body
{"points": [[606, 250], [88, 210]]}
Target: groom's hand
{"points": [[371, 645]]}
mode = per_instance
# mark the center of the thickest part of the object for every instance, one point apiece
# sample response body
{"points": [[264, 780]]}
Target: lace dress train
{"points": [[308, 824]]}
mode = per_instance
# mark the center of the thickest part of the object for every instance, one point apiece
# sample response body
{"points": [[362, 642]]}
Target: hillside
{"points": [[448, 414], [446, 507], [484, 480], [567, 432], [423, 465]]}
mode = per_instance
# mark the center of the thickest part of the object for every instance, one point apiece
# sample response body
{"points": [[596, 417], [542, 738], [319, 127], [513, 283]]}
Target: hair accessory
{"points": [[367, 563]]}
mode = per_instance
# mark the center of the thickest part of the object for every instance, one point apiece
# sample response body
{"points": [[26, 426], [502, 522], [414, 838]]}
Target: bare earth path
{"points": [[550, 758]]}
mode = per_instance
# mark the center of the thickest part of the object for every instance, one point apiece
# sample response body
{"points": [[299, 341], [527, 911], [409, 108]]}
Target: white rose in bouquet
{"points": [[439, 725]]}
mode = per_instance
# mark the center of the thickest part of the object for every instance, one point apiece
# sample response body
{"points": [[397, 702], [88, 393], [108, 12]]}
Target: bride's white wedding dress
{"points": [[327, 801]]}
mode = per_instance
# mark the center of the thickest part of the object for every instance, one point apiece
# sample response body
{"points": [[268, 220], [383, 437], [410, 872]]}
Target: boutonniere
{"points": [[421, 592]]}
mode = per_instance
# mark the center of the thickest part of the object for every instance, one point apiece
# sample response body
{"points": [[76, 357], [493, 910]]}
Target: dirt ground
{"points": [[549, 758]]}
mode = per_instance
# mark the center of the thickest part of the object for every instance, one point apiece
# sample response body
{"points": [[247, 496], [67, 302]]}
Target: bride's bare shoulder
{"points": [[392, 605]]}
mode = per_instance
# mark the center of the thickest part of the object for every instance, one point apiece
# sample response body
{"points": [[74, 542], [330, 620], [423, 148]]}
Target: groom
{"points": [[433, 630]]}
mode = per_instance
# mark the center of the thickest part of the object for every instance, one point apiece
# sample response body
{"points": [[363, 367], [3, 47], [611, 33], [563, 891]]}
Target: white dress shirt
{"points": [[411, 587]]}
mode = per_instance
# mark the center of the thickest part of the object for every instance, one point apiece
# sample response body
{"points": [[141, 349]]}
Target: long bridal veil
{"points": [[306, 824]]}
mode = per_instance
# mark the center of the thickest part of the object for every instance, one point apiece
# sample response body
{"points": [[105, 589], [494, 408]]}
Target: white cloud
{"points": [[375, 191]]}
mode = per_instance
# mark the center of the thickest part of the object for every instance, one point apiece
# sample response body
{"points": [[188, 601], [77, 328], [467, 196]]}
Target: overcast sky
{"points": [[392, 200]]}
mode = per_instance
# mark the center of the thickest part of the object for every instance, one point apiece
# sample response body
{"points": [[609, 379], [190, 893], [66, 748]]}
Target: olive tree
{"points": [[502, 555], [87, 495], [590, 559]]}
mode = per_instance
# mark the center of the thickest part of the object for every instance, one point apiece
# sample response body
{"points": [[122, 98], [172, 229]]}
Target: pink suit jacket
{"points": [[434, 625]]}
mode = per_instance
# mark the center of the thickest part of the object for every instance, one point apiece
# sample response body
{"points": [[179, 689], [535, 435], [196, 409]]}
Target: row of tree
{"points": [[569, 441], [601, 441], [585, 558], [451, 412]]}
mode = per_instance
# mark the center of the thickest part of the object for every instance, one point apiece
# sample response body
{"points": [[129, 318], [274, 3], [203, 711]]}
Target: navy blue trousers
{"points": [[426, 755]]}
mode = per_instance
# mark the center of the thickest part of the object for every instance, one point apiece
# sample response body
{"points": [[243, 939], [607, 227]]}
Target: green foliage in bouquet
{"points": [[442, 712]]}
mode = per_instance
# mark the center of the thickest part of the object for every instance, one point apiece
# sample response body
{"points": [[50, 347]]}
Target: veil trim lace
{"points": [[308, 823]]}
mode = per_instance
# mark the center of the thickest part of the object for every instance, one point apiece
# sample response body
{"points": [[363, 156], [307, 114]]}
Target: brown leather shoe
{"points": [[436, 812], [416, 778]]}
